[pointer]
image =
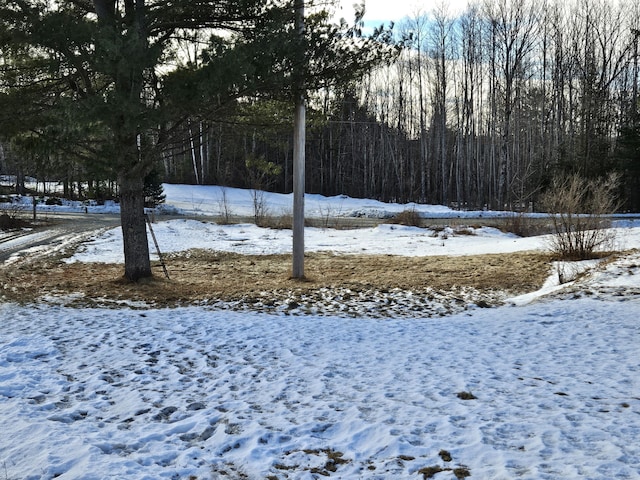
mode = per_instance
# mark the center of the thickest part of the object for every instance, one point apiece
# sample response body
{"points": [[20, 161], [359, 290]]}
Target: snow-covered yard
{"points": [[545, 387]]}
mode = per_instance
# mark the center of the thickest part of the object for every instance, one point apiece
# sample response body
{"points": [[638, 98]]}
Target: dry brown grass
{"points": [[205, 276]]}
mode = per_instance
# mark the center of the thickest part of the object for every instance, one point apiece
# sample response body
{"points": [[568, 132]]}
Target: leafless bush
{"points": [[260, 207], [11, 216], [520, 224], [579, 209], [409, 217], [223, 205], [261, 175], [284, 221], [328, 215]]}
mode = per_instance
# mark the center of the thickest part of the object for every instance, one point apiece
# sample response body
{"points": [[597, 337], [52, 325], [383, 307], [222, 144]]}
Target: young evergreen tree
{"points": [[153, 190]]}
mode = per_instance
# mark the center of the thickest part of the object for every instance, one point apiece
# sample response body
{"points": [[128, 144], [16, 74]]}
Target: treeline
{"points": [[480, 109], [513, 93]]}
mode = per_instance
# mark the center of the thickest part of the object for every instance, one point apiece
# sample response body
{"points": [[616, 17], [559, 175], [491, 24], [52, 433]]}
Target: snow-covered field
{"points": [[199, 393]]}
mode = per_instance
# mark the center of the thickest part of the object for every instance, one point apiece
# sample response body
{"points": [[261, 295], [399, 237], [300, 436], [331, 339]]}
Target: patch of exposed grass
{"points": [[229, 471], [466, 396], [444, 455], [430, 472], [464, 231], [202, 276], [461, 472], [281, 466], [333, 461]]}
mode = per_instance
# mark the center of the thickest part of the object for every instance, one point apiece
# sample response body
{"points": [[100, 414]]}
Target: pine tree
{"points": [[103, 73]]}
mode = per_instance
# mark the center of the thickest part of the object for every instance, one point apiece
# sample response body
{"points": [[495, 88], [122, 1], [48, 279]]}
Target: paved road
{"points": [[53, 231], [57, 230]]}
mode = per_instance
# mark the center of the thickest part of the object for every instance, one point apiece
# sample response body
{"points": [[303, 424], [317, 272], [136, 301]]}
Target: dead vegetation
{"points": [[409, 218], [430, 472], [208, 277], [466, 396]]}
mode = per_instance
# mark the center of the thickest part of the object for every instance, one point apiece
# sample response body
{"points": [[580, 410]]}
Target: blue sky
{"points": [[394, 10]]}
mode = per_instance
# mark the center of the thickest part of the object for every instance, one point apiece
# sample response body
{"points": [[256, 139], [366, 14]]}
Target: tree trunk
{"points": [[134, 232], [21, 189]]}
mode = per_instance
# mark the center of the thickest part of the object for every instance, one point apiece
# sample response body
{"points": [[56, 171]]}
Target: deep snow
{"points": [[143, 393]]}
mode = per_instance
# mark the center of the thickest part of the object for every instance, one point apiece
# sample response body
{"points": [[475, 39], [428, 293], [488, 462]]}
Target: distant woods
{"points": [[483, 108]]}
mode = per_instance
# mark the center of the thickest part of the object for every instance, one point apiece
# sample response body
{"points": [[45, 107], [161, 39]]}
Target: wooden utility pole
{"points": [[299, 149]]}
